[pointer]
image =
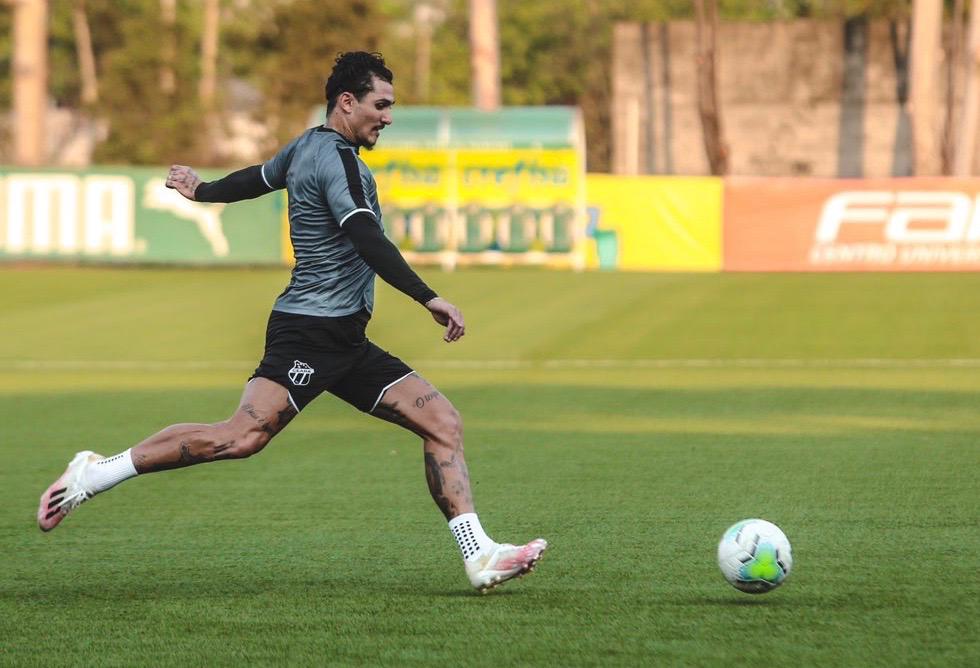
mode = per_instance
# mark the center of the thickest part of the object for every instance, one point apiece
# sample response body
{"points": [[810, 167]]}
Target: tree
{"points": [[561, 52], [485, 54], [30, 74], [967, 156], [149, 70], [926, 35], [86, 55], [287, 48], [207, 86], [714, 143]]}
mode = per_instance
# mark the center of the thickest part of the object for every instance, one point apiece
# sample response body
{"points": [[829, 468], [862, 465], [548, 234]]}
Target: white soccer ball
{"points": [[754, 556]]}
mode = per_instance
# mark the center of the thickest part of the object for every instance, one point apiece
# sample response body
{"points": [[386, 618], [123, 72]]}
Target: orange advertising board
{"points": [[791, 224]]}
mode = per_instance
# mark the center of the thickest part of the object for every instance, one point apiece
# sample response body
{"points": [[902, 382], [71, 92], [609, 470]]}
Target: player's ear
{"points": [[346, 101]]}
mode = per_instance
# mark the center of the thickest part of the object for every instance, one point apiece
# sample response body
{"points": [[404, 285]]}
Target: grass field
{"points": [[627, 418]]}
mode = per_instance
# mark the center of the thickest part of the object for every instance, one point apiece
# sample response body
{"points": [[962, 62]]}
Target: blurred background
{"points": [[649, 134]]}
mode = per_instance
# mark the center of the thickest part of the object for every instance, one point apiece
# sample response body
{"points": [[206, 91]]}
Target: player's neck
{"points": [[341, 128]]}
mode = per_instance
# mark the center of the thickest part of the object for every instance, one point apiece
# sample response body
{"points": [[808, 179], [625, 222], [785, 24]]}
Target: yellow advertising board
{"points": [[488, 206], [534, 206], [654, 223], [410, 177]]}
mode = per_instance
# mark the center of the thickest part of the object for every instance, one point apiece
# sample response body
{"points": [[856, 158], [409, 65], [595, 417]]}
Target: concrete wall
{"points": [[782, 100]]}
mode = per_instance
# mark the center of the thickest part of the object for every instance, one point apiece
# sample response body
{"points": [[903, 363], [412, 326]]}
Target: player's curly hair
{"points": [[352, 72]]}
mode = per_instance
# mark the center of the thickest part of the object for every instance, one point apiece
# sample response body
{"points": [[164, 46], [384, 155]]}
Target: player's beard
{"points": [[365, 142]]}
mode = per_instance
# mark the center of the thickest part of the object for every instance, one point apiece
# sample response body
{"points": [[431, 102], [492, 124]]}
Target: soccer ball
{"points": [[754, 556]]}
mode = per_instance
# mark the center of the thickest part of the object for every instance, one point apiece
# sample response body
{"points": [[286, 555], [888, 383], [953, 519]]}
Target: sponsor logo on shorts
{"points": [[300, 373]]}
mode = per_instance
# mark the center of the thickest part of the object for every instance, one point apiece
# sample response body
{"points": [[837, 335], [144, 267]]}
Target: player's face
{"points": [[372, 113]]}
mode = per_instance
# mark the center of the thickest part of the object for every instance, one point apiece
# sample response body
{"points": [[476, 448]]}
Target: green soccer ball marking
{"points": [[764, 566]]}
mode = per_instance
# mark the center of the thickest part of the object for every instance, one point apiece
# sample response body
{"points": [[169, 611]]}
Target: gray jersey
{"points": [[327, 183]]}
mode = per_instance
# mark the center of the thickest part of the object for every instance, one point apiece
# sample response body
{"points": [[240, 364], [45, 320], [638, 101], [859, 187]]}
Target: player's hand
{"points": [[446, 314], [184, 180]]}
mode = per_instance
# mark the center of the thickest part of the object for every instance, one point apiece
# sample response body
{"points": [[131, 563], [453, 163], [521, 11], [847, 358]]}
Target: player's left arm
{"points": [[384, 258], [246, 183]]}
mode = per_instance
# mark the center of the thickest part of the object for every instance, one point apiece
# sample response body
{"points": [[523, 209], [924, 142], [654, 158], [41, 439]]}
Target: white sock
{"points": [[472, 539], [109, 472]]}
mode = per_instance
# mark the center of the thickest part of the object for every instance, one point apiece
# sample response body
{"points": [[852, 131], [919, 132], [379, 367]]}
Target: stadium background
{"points": [[670, 328]]}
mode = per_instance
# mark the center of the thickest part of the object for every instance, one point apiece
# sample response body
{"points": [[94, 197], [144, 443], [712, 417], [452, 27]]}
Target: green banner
{"points": [[128, 215]]}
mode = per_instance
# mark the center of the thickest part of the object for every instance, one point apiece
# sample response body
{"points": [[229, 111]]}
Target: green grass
{"points": [[326, 549]]}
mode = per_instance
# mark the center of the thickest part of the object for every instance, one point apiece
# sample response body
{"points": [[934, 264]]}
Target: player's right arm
{"points": [[244, 184], [247, 183]]}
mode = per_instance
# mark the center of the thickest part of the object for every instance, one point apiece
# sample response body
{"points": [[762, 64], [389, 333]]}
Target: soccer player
{"points": [[315, 339]]}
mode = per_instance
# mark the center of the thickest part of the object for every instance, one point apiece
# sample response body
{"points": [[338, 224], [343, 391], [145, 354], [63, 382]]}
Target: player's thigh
{"points": [[384, 386], [264, 410], [416, 404]]}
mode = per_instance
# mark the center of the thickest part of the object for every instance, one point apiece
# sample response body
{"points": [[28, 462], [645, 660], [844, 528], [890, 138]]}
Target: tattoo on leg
{"points": [[460, 486], [271, 428], [284, 417], [423, 400], [436, 480], [392, 413], [187, 457]]}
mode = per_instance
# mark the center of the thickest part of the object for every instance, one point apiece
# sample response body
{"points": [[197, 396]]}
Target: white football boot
{"points": [[505, 562], [67, 492]]}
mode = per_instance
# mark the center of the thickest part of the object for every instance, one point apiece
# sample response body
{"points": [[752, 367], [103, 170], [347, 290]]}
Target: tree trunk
{"points": [[86, 56], [953, 60], [900, 32], [967, 155], [711, 127], [850, 138], [30, 80], [485, 54], [423, 51], [168, 52], [924, 100], [209, 54], [209, 75]]}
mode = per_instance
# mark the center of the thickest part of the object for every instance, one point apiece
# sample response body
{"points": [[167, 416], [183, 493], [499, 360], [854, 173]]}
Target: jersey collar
{"points": [[324, 128]]}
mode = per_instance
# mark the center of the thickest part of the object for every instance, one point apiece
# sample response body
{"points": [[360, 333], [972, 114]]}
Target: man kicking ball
{"points": [[315, 338]]}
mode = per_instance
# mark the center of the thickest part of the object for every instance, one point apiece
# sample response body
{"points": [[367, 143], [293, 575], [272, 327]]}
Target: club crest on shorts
{"points": [[300, 373]]}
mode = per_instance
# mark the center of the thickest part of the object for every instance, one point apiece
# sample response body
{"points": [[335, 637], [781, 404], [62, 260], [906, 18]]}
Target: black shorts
{"points": [[310, 354]]}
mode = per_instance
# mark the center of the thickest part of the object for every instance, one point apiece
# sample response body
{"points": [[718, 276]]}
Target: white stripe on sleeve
{"points": [[344, 219]]}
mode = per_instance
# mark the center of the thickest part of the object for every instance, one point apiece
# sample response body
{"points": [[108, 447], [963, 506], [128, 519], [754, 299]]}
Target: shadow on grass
{"points": [[789, 599]]}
